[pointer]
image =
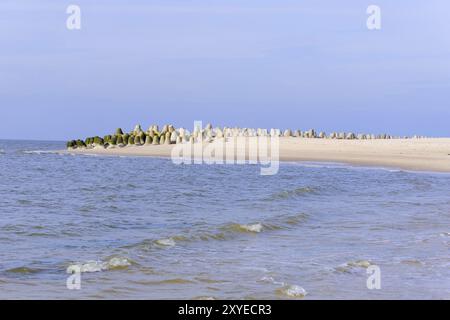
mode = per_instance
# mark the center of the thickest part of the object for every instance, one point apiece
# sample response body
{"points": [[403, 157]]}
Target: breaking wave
{"points": [[288, 290], [168, 242], [292, 291], [353, 266], [114, 263], [252, 228], [223, 232]]}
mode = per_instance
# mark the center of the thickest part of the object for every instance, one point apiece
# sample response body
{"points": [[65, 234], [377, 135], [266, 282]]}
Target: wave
{"points": [[204, 298], [236, 227], [412, 262], [169, 242], [271, 280], [293, 193], [28, 231], [41, 152], [353, 266], [114, 263], [24, 270], [360, 167], [223, 232], [165, 281], [339, 165], [293, 291], [208, 280], [288, 290]]}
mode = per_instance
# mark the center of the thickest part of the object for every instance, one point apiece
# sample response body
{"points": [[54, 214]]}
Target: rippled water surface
{"points": [[146, 228]]}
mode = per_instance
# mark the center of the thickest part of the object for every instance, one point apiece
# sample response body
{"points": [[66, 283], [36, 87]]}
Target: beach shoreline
{"points": [[425, 154]]}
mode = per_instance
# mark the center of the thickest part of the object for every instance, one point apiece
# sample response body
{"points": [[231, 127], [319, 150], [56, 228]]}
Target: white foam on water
{"points": [[271, 280], [360, 263], [89, 266], [256, 227], [169, 242], [97, 265], [293, 291], [267, 279], [90, 155], [317, 164], [40, 152], [352, 265], [337, 165], [117, 262], [204, 298]]}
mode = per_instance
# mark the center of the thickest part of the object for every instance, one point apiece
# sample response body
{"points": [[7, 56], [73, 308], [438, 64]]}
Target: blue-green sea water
{"points": [[146, 228]]}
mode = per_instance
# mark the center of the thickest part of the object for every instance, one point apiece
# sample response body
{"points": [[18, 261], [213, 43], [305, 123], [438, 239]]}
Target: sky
{"points": [[249, 63]]}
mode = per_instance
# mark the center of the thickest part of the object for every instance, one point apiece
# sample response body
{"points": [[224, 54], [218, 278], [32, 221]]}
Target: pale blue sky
{"points": [[267, 63]]}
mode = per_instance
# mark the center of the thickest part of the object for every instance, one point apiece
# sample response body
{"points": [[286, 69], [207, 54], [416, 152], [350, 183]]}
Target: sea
{"points": [[112, 227]]}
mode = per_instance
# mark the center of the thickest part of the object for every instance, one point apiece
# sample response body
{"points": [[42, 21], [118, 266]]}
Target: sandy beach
{"points": [[427, 154]]}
